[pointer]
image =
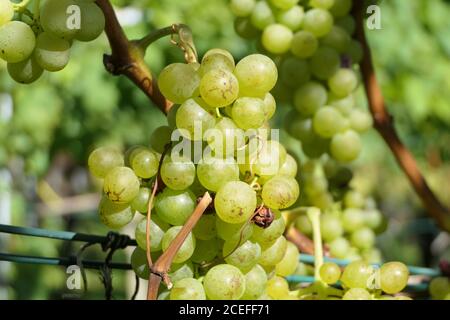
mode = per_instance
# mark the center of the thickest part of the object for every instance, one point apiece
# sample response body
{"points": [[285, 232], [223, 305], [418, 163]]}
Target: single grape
{"points": [[341, 8], [215, 172], [277, 38], [303, 224], [352, 219], [145, 164], [288, 264], [178, 173], [357, 274], [92, 21], [310, 97], [289, 167], [267, 236], [219, 88], [304, 44], [327, 122], [157, 230], [330, 272], [439, 287], [280, 192], [194, 119], [262, 15], [318, 21], [140, 203], [121, 185], [325, 63], [26, 71], [346, 146], [186, 249], [339, 248], [264, 160], [56, 17], [219, 51], [284, 4], [51, 53], [245, 29], [294, 72], [360, 121], [248, 113], [235, 202], [357, 294], [187, 289], [277, 287], [257, 75], [130, 153], [225, 138], [175, 207], [291, 18], [241, 255], [17, 41], [114, 215], [178, 82], [139, 263], [233, 231], [255, 283], [205, 229], [343, 82], [224, 282], [216, 61], [354, 199], [347, 23], [270, 106], [272, 255], [6, 11], [160, 138], [331, 227], [393, 277], [179, 271], [338, 39], [344, 105]]}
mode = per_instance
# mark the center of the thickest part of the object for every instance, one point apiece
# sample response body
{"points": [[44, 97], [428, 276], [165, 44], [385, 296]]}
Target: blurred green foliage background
{"points": [[48, 129]]}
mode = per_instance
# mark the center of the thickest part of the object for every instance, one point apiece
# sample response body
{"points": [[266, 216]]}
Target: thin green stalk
{"points": [[314, 216]]}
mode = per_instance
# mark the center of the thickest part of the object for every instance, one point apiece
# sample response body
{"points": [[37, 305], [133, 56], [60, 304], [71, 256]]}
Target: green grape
{"points": [[338, 39], [216, 61], [178, 173], [26, 71], [270, 106], [257, 75], [288, 264], [139, 263], [55, 18], [346, 146], [347, 23], [178, 82], [331, 227], [280, 192], [92, 21], [214, 172], [363, 238], [6, 12], [327, 122], [268, 158], [219, 88], [344, 105], [193, 119], [245, 29], [439, 287], [235, 202], [339, 248], [325, 63], [352, 219], [255, 283], [145, 163], [318, 21], [291, 18], [242, 8], [294, 72], [130, 153], [304, 44], [272, 255], [220, 51], [206, 250], [114, 215], [310, 97], [277, 287], [157, 230], [322, 4], [289, 167], [262, 15], [360, 121], [186, 249], [225, 138], [17, 41], [357, 294], [298, 127], [277, 38], [121, 185], [354, 199], [140, 203], [232, 231], [341, 8], [372, 255], [355, 51], [160, 138], [248, 113], [303, 224], [224, 282], [343, 82], [373, 219], [242, 255], [187, 289], [205, 229], [357, 274], [267, 236], [284, 4], [172, 117], [180, 271], [175, 207], [393, 277], [51, 53], [330, 272]]}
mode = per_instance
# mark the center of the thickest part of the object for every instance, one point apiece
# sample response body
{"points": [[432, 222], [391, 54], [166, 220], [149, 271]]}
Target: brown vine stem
{"points": [[384, 124], [160, 269], [127, 59]]}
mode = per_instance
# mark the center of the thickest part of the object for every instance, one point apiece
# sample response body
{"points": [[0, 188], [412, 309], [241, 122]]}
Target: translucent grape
{"points": [[243, 256], [310, 97], [284, 4], [288, 264], [187, 289], [267, 236], [205, 229], [363, 238], [131, 152], [160, 137], [346, 146], [245, 29], [339, 248], [26, 71], [235, 202], [248, 113], [219, 88], [289, 167], [439, 287], [277, 38], [206, 250], [255, 283], [337, 39], [352, 219], [303, 224], [273, 254], [330, 272], [194, 119], [51, 53], [219, 51], [186, 249], [262, 15], [224, 282], [280, 192], [92, 21], [216, 61], [225, 138], [242, 8], [357, 294], [318, 21], [257, 75], [294, 72], [331, 227], [325, 62], [233, 231], [357, 274], [6, 11], [55, 19], [343, 82], [157, 230], [175, 207], [178, 173], [17, 41], [354, 199], [360, 121], [341, 8], [270, 106], [393, 277], [327, 122], [344, 105], [304, 44], [178, 82], [214, 172], [268, 158], [121, 185], [180, 271], [140, 203], [145, 164], [139, 263], [277, 287], [114, 215]]}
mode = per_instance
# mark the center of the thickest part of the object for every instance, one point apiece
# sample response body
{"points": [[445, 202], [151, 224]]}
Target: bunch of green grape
{"points": [[439, 288], [216, 140], [42, 40]]}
